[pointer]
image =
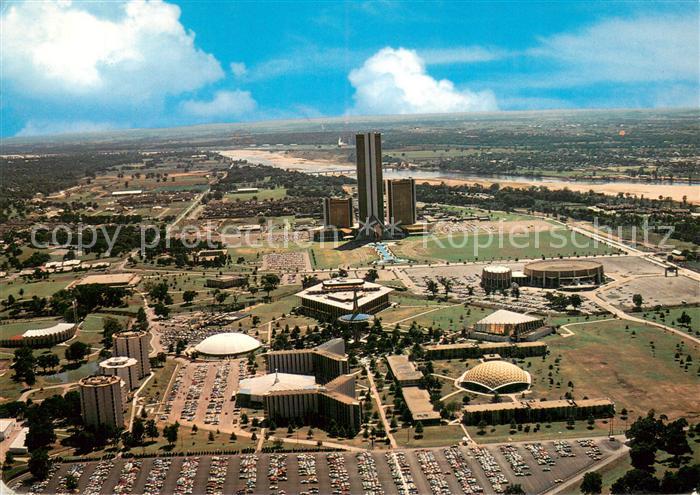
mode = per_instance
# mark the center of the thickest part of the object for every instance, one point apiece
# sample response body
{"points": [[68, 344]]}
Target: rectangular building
{"points": [[419, 405], [370, 194], [401, 201], [336, 297], [537, 411], [404, 371], [473, 350], [321, 362], [337, 212], [225, 282]]}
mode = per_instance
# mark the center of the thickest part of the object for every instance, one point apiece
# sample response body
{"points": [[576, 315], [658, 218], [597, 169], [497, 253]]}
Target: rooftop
{"points": [[227, 344], [43, 332], [418, 403], [110, 279], [331, 292], [503, 316], [402, 368], [276, 382]]}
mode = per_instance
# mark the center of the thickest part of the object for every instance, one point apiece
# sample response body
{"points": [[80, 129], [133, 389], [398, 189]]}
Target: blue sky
{"points": [[90, 66]]}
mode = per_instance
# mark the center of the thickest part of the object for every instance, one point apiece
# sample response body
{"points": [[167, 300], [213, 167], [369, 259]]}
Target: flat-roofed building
{"points": [[101, 401], [419, 405], [226, 282], [537, 411], [404, 371], [19, 444], [334, 298], [134, 345], [401, 201], [337, 212], [111, 280], [7, 426], [474, 350]]}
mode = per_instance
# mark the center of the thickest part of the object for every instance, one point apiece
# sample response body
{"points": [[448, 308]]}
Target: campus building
{"points": [[495, 376], [537, 411], [334, 401], [334, 298], [564, 274], [101, 401], [111, 280], [370, 194], [506, 325], [470, 350], [403, 371], [125, 368], [325, 362], [226, 282], [134, 345], [227, 345], [401, 201], [42, 337], [337, 212], [496, 277], [419, 405]]}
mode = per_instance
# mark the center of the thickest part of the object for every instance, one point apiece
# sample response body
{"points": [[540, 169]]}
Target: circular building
{"points": [[563, 273], [124, 367], [230, 344], [493, 377], [496, 277]]}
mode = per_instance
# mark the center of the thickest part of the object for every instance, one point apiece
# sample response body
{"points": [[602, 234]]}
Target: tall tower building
{"points": [[101, 401], [337, 212], [134, 345], [401, 201], [368, 148]]}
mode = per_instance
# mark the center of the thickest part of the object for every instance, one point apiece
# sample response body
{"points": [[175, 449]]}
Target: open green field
{"points": [[670, 316], [44, 288], [327, 255], [261, 195], [605, 359], [433, 436], [548, 431], [10, 330], [464, 247]]}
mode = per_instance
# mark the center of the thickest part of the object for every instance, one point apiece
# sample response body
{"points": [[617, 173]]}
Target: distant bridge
{"points": [[347, 171]]}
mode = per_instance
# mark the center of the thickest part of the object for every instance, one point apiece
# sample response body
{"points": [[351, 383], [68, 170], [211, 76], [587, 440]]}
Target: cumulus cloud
{"points": [[132, 52], [223, 104], [394, 81]]}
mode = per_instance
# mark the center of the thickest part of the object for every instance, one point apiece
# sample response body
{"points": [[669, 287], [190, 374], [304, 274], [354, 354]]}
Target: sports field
{"points": [[466, 247]]}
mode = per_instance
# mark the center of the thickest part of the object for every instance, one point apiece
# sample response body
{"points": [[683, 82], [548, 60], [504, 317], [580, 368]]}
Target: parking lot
{"points": [[200, 393], [440, 471]]}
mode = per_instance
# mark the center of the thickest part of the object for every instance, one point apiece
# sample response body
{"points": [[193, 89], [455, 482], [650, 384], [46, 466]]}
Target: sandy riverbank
{"points": [[287, 161]]}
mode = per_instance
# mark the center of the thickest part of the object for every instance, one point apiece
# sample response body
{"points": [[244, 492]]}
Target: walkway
{"points": [[382, 413]]}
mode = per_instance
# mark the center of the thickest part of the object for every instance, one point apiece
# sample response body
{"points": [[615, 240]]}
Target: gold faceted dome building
{"points": [[495, 377]]}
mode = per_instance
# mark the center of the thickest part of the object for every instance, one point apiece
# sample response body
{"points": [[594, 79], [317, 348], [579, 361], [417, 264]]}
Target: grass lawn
{"points": [[670, 316], [604, 359], [156, 387], [328, 255], [556, 430], [464, 247], [262, 194], [433, 436], [10, 330], [453, 317], [44, 288]]}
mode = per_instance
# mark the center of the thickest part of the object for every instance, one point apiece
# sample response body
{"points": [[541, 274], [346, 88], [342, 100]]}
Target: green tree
{"points": [[269, 282], [592, 483], [151, 429], [77, 351], [188, 296], [40, 464], [638, 300]]}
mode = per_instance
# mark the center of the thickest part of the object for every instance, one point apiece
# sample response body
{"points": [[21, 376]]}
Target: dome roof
{"points": [[227, 344], [495, 376]]}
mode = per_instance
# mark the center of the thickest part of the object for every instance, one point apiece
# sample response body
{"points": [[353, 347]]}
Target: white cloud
{"points": [[134, 53], [224, 104], [238, 69], [394, 81], [461, 55], [642, 49]]}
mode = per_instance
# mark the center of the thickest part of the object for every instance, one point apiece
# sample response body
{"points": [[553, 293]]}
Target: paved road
{"points": [[382, 413]]}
